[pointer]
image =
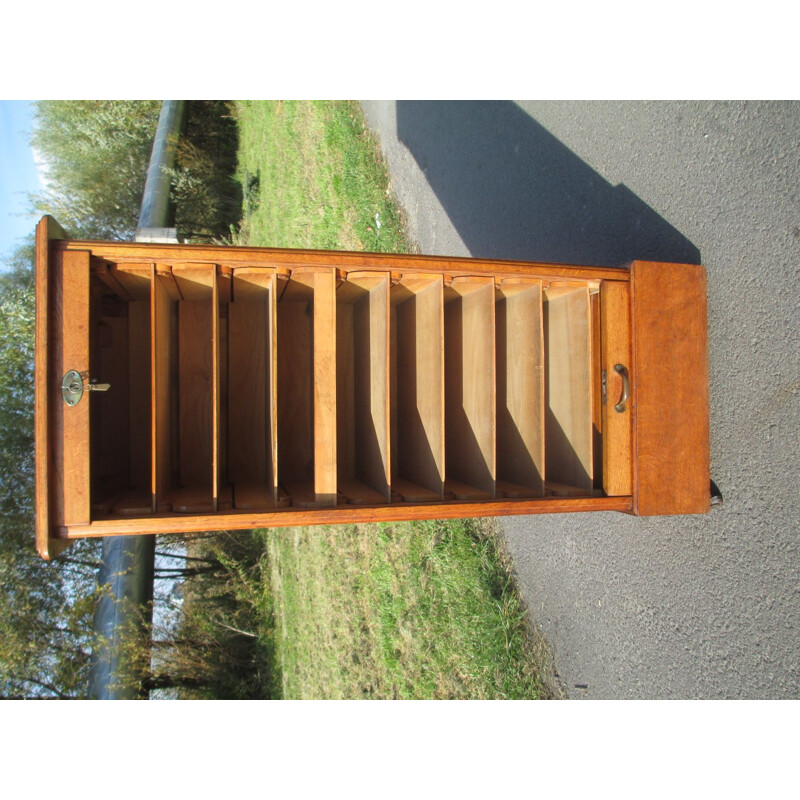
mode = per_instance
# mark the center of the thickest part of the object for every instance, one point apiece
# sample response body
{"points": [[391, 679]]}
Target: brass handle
{"points": [[622, 371]]}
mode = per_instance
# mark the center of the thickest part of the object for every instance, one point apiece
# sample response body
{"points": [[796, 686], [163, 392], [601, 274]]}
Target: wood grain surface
{"points": [[568, 423], [670, 388], [470, 385], [74, 326], [615, 349], [520, 386]]}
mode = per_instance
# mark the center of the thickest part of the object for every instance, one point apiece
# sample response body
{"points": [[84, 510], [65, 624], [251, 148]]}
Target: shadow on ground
{"points": [[512, 190]]}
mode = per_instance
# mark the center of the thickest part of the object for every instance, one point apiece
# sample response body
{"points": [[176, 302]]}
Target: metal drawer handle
{"points": [[622, 371]]}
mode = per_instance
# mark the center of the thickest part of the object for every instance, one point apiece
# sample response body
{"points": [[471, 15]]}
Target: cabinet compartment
{"points": [[252, 409], [417, 389], [186, 389], [520, 389], [362, 388], [306, 378], [568, 389], [120, 444], [469, 379]]}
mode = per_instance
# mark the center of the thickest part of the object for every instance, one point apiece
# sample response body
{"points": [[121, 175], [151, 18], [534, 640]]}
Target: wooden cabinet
{"points": [[190, 388]]}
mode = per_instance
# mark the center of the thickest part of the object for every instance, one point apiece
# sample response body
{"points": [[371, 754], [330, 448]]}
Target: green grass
{"points": [[392, 610], [311, 179], [418, 610]]}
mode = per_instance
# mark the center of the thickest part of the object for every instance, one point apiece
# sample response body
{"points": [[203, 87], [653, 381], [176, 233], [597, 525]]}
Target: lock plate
{"points": [[72, 387]]}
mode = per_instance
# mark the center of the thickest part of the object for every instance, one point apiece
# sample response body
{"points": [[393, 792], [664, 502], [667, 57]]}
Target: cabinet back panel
{"points": [[248, 397], [110, 438], [295, 373], [140, 389], [120, 417], [195, 379], [346, 370]]}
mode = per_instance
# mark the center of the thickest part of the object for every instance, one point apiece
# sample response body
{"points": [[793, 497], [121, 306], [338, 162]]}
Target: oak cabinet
{"points": [[190, 388]]}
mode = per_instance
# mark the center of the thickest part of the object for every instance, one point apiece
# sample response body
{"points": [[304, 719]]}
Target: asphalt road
{"points": [[667, 607]]}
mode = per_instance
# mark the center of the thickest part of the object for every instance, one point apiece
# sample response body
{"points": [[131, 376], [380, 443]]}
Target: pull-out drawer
{"points": [[190, 388]]}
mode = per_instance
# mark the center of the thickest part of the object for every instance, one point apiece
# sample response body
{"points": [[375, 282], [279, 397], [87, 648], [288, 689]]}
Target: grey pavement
{"points": [[665, 607]]}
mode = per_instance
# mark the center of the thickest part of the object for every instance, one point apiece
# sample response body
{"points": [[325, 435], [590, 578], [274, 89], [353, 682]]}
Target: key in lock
{"points": [[75, 383]]}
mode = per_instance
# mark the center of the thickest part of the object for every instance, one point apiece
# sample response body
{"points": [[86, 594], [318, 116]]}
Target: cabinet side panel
{"points": [[75, 356], [46, 352], [670, 388]]}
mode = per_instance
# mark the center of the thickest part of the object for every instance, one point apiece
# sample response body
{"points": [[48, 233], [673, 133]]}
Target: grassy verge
{"points": [[311, 179], [407, 610], [396, 610]]}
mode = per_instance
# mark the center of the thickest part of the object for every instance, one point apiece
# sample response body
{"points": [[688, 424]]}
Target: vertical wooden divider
{"points": [[161, 358], [325, 388]]}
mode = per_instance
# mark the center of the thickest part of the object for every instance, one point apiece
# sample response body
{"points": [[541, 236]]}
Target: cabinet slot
{"points": [[195, 489], [520, 389], [362, 388], [120, 417], [306, 339], [417, 389], [568, 388], [469, 358], [252, 443]]}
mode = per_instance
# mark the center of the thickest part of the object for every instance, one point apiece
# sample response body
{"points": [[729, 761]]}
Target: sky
{"points": [[18, 173]]}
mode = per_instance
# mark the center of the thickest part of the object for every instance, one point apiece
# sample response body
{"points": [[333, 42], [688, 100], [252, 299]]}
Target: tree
{"points": [[45, 609], [205, 193], [97, 153]]}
